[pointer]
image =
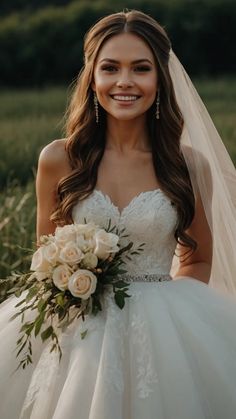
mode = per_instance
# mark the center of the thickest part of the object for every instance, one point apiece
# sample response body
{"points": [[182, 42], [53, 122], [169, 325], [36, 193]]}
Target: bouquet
{"points": [[70, 271]]}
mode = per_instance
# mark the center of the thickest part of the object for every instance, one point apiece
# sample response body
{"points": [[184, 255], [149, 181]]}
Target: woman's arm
{"points": [[52, 166], [198, 265]]}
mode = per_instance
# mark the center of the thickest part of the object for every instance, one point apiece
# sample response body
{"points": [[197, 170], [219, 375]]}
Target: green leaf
{"points": [[18, 293], [32, 292], [127, 295], [21, 302], [121, 271], [21, 348], [42, 304], [119, 299], [83, 334], [120, 284], [25, 326], [15, 315], [60, 300], [29, 329], [47, 333], [38, 323]]}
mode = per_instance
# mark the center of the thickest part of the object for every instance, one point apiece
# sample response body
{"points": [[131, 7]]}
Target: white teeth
{"points": [[125, 98]]}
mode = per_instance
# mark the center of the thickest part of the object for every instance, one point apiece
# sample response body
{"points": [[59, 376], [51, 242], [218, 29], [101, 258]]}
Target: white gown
{"points": [[170, 353]]}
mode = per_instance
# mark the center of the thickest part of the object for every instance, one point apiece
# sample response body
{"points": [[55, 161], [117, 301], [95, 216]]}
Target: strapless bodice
{"points": [[149, 218]]}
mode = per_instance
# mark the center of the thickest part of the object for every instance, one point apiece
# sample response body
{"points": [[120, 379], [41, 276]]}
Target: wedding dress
{"points": [[170, 353]]}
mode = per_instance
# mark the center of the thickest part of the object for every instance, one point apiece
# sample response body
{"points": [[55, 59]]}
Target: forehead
{"points": [[125, 46]]}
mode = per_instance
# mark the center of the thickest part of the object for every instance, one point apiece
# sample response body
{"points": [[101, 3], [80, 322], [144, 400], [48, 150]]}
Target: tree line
{"points": [[42, 44]]}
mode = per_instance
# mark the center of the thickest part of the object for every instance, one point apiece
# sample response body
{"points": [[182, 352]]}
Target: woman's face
{"points": [[125, 77]]}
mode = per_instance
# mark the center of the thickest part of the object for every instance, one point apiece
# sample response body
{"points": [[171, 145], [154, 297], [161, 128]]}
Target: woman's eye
{"points": [[141, 68], [109, 68]]}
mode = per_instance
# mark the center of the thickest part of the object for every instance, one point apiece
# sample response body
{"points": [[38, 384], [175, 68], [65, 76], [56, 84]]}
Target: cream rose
{"points": [[85, 245], [51, 252], [90, 260], [60, 277], [70, 253], [82, 284], [39, 262], [87, 230], [65, 234], [105, 243]]}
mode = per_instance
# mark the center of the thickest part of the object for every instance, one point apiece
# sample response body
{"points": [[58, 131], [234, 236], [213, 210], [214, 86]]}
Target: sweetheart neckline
{"points": [[121, 211]]}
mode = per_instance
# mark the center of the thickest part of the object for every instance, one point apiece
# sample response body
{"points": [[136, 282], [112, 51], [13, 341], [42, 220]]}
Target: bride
{"points": [[142, 151]]}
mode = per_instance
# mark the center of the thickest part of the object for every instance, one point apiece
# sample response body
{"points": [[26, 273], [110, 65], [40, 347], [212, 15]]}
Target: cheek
{"points": [[150, 85], [101, 83]]}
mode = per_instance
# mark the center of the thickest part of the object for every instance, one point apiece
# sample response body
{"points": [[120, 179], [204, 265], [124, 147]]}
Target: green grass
{"points": [[32, 118], [29, 119], [17, 227], [219, 97]]}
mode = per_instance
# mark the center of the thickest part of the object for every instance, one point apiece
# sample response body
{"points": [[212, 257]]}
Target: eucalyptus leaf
{"points": [[47, 333], [38, 323], [21, 348], [32, 292], [20, 303]]}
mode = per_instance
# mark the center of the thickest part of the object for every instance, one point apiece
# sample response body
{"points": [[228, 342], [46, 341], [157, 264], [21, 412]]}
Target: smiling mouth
{"points": [[125, 98]]}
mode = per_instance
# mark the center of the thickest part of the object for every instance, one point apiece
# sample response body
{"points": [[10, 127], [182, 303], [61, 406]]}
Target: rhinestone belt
{"points": [[145, 277]]}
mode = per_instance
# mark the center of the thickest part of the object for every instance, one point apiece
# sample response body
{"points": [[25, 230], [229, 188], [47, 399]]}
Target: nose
{"points": [[124, 81]]}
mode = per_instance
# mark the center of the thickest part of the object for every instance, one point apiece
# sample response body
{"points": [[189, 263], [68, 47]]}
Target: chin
{"points": [[127, 117]]}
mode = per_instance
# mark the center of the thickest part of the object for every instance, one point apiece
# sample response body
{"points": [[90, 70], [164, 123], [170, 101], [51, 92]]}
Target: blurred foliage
{"points": [[17, 227], [29, 119], [41, 42]]}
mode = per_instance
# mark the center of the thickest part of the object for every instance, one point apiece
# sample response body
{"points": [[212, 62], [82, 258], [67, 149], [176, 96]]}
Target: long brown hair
{"points": [[85, 142]]}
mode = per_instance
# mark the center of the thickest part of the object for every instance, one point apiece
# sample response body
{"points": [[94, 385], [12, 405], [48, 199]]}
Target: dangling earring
{"points": [[95, 100], [158, 105]]}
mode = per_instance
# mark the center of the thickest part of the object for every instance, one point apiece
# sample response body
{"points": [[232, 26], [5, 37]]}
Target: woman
{"points": [[128, 157]]}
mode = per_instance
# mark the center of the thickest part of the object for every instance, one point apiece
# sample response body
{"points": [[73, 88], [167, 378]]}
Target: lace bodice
{"points": [[149, 218]]}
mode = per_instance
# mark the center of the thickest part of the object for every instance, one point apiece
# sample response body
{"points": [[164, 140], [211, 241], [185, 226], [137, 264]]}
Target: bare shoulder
{"points": [[54, 156]]}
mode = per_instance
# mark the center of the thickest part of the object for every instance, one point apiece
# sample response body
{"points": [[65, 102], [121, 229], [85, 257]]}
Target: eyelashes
{"points": [[112, 69]]}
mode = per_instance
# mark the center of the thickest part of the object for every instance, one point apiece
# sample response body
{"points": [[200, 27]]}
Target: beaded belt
{"points": [[145, 277]]}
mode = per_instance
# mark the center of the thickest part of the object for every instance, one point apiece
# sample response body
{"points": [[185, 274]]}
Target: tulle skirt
{"points": [[170, 353]]}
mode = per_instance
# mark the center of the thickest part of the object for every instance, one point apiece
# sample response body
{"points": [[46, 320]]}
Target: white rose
{"points": [[39, 262], [106, 243], [90, 260], [82, 284], [60, 277], [70, 253], [85, 245], [51, 253], [87, 230], [65, 234]]}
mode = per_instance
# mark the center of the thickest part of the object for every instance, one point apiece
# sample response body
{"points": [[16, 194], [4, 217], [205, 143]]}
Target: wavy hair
{"points": [[85, 139]]}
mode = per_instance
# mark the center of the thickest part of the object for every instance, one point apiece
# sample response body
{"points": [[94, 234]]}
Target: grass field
{"points": [[32, 118]]}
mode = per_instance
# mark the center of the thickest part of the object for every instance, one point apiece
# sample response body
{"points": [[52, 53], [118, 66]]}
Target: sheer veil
{"points": [[212, 173]]}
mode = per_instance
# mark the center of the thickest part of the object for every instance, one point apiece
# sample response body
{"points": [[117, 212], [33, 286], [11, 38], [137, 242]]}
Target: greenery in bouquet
{"points": [[69, 273]]}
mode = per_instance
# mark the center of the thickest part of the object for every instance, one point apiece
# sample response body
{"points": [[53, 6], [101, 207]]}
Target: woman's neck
{"points": [[126, 136]]}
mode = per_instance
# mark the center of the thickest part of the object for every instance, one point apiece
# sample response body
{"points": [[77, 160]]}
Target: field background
{"points": [[36, 72], [32, 118]]}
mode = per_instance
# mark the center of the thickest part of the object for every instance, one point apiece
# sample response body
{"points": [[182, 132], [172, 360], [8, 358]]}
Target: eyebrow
{"points": [[141, 60]]}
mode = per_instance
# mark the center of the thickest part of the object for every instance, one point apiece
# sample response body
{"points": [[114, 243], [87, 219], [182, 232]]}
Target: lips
{"points": [[125, 98]]}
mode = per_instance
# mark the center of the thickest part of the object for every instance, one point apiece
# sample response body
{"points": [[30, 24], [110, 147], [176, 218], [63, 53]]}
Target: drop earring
{"points": [[158, 105], [95, 100]]}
